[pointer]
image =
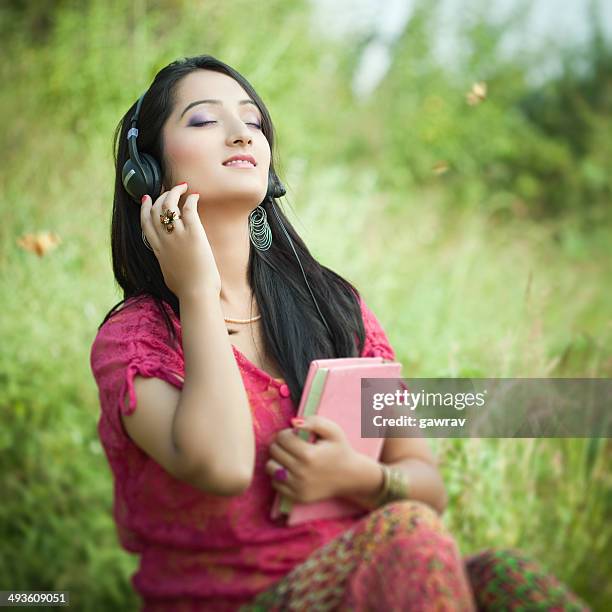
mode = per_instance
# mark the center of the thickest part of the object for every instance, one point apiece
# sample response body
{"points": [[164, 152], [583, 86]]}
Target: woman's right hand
{"points": [[184, 255]]}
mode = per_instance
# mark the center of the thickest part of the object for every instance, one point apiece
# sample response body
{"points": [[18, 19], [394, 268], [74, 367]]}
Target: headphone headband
{"points": [[134, 118]]}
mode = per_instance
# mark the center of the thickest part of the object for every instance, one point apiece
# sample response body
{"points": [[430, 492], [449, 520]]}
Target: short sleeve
{"points": [[376, 341], [133, 341]]}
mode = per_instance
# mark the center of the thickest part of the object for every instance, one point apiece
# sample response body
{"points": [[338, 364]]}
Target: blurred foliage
{"points": [[478, 232]]}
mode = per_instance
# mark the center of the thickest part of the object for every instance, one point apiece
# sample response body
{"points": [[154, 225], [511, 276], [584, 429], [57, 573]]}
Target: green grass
{"points": [[465, 282]]}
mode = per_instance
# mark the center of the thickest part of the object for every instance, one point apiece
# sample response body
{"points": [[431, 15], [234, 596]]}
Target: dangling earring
{"points": [[259, 228], [260, 233]]}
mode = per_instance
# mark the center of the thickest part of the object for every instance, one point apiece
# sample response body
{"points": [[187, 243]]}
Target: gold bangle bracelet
{"points": [[395, 485], [398, 485]]}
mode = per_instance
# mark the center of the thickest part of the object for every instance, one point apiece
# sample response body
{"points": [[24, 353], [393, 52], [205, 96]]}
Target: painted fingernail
{"points": [[297, 422], [181, 184], [280, 474], [143, 199]]}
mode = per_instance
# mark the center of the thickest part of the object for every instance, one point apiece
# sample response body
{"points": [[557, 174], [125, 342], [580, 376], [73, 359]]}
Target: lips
{"points": [[248, 158]]}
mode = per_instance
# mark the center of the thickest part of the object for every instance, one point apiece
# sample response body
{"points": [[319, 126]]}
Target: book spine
{"points": [[311, 407]]}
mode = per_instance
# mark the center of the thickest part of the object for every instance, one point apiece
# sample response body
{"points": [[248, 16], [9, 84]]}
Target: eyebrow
{"points": [[191, 104]]}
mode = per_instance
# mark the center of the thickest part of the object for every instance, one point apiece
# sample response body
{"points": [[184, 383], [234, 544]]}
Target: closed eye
{"points": [[205, 122]]}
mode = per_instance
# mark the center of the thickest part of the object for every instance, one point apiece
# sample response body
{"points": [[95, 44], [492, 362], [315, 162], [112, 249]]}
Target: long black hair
{"points": [[293, 331]]}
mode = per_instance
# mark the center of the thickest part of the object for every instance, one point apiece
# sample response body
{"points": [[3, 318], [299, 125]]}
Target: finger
{"points": [[322, 426], [190, 210], [273, 466], [165, 202], [293, 444], [170, 202], [284, 489], [156, 208], [146, 225], [282, 456]]}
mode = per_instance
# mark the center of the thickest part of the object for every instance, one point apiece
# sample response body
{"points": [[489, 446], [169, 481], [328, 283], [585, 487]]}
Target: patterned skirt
{"points": [[401, 557]]}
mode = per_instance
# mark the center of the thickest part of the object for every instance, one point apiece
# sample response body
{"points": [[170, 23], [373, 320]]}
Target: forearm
{"points": [[366, 479], [213, 422]]}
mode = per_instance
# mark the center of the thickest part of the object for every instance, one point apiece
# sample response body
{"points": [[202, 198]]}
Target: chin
{"points": [[240, 197]]}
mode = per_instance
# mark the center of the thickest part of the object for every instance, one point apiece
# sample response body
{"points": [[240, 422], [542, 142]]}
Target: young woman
{"points": [[200, 369]]}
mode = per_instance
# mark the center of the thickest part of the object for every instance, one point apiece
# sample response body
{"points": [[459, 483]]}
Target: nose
{"points": [[239, 133]]}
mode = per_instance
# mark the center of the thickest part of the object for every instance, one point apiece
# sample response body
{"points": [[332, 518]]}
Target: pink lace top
{"points": [[220, 550]]}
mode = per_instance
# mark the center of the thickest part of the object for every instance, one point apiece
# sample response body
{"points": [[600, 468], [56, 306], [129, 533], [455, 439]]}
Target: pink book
{"points": [[333, 390]]}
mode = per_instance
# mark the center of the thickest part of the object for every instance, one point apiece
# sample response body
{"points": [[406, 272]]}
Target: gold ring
{"points": [[168, 218]]}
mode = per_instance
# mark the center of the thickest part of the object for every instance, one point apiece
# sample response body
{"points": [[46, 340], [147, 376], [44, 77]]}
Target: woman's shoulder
{"points": [[126, 315], [141, 306], [135, 330], [138, 303], [376, 342], [138, 317], [369, 318]]}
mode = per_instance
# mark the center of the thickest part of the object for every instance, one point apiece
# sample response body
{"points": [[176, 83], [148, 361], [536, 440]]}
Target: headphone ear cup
{"points": [[154, 182], [275, 188], [137, 184]]}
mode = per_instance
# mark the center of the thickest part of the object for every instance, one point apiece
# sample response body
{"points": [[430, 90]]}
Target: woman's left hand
{"points": [[315, 471]]}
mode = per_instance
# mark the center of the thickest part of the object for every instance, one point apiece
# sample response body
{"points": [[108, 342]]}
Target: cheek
{"points": [[263, 165], [185, 153], [264, 153]]}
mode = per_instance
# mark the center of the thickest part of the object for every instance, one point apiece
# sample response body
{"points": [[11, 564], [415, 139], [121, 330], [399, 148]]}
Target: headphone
{"points": [[141, 174]]}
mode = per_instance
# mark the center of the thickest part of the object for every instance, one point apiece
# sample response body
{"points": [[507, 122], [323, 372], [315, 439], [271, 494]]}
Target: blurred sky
{"points": [[548, 23]]}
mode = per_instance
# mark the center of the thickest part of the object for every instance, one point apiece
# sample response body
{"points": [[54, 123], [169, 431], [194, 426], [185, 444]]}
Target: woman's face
{"points": [[194, 151]]}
